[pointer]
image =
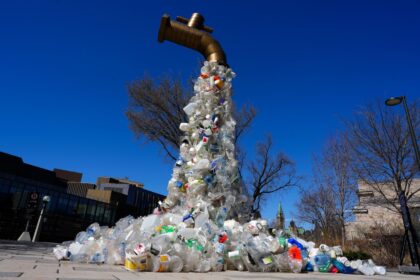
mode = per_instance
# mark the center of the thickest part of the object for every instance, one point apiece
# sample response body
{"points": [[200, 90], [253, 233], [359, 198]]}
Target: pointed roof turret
{"points": [[280, 210]]}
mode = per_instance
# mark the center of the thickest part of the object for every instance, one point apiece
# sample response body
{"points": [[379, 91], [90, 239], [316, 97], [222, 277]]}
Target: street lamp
{"points": [[396, 101], [45, 201], [410, 235]]}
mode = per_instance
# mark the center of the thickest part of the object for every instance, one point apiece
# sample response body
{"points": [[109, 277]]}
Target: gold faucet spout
{"points": [[193, 34]]}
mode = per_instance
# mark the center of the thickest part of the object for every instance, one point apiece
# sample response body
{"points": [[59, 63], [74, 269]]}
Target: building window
{"points": [[81, 208], [90, 213], [99, 212], [72, 206], [4, 185], [107, 215], [53, 202], [62, 204]]}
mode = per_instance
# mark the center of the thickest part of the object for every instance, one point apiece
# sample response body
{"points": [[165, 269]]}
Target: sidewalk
{"points": [[36, 261]]}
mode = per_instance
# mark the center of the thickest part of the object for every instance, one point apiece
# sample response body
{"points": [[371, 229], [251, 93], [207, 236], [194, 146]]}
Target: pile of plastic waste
{"points": [[203, 224], [164, 243]]}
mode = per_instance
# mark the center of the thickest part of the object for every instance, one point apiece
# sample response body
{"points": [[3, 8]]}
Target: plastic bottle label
{"points": [[267, 260], [234, 254]]}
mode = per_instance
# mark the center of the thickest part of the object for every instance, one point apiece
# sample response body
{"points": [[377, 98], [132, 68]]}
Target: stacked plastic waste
{"points": [[200, 225]]}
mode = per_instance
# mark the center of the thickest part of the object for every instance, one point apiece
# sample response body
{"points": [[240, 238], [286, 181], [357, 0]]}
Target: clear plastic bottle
{"points": [[161, 263], [380, 270], [221, 216], [176, 264], [93, 230], [366, 269], [81, 237]]}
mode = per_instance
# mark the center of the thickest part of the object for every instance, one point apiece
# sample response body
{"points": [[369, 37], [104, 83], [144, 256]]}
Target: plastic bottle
{"points": [[380, 270], [325, 268], [221, 216], [366, 269], [201, 219], [309, 267], [80, 258], [184, 127], [97, 257], [176, 264], [149, 223], [339, 265], [191, 261], [293, 241], [355, 264], [93, 230], [161, 263], [203, 266], [61, 252], [344, 260], [162, 243], [323, 262], [295, 259], [250, 263], [81, 237], [324, 248], [190, 108]]}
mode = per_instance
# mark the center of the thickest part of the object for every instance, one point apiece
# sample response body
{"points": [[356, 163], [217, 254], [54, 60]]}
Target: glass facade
{"points": [[60, 203], [14, 192], [66, 214]]}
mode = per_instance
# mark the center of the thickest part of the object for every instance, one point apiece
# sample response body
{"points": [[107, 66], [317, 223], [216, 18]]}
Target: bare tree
{"points": [[327, 203], [317, 206], [156, 109], [244, 118], [269, 174], [334, 169], [382, 154]]}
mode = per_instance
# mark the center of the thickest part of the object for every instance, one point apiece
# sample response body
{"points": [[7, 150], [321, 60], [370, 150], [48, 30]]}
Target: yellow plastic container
{"points": [[132, 262]]}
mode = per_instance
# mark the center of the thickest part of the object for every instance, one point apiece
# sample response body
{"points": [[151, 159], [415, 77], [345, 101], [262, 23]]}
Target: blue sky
{"points": [[65, 66]]}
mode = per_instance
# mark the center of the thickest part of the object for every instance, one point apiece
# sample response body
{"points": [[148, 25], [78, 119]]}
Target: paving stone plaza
{"points": [[35, 261]]}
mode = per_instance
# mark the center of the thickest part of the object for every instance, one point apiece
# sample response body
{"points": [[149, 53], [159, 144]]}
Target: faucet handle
{"points": [[182, 19], [196, 21], [207, 29]]}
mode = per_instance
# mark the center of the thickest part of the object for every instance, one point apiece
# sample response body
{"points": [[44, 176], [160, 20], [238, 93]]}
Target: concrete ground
{"points": [[36, 261]]}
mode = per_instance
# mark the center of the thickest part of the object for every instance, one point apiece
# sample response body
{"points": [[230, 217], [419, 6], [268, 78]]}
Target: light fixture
{"points": [[394, 101]]}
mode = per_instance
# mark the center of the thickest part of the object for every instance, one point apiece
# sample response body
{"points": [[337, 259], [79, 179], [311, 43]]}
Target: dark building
{"points": [[68, 176], [68, 212]]}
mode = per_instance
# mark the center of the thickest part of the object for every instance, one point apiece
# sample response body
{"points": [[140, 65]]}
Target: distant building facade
{"points": [[372, 210], [138, 199], [79, 188], [72, 207]]}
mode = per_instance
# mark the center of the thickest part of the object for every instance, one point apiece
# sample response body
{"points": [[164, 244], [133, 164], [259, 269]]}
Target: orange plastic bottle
{"points": [[294, 253]]}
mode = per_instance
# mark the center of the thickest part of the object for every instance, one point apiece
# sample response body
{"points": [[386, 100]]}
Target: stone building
{"points": [[373, 211]]}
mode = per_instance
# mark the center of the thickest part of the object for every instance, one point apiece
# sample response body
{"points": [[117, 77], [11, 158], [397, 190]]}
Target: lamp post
{"points": [[45, 201], [410, 235]]}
